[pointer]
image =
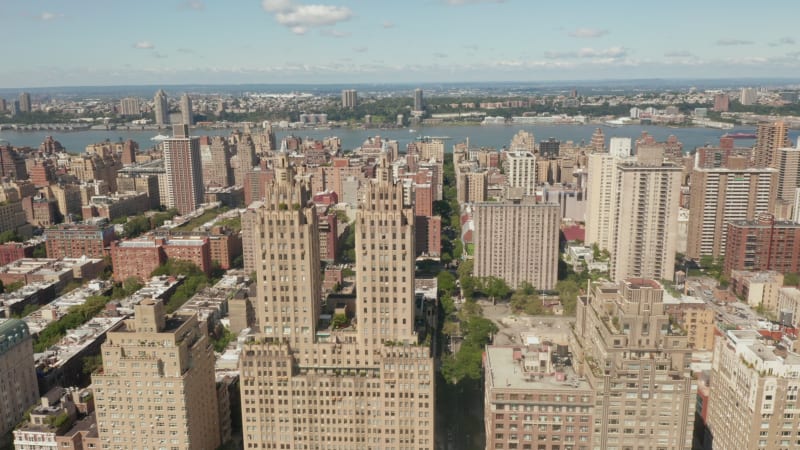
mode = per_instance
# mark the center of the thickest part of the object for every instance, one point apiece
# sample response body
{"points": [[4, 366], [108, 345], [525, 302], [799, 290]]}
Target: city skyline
{"points": [[331, 41]]}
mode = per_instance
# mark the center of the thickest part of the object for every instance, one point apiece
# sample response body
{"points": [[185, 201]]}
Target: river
{"points": [[479, 136]]}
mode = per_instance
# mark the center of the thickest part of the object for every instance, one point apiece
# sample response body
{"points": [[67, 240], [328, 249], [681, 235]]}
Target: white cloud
{"points": [[587, 33], [678, 54], [611, 52], [336, 33], [144, 45], [588, 52], [732, 42], [470, 2], [196, 5], [276, 5], [360, 49], [388, 24], [783, 41], [47, 16], [299, 18]]}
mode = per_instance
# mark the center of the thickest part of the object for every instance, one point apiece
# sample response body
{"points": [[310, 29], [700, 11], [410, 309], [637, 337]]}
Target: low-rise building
{"points": [[49, 424], [138, 258], [758, 288], [13, 251], [61, 271], [112, 207], [74, 241]]}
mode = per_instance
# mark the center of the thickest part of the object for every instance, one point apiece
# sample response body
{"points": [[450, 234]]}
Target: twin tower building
{"points": [[364, 380]]}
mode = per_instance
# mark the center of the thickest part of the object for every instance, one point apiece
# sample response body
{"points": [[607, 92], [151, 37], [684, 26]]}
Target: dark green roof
{"points": [[12, 332]]}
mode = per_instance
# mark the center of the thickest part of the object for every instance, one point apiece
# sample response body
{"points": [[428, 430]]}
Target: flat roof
{"points": [[505, 372]]}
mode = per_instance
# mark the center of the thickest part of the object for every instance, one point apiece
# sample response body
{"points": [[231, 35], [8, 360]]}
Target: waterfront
{"points": [[479, 136]]}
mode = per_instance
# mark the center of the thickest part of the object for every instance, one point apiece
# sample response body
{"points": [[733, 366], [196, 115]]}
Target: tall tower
{"points": [[308, 381], [719, 196], [184, 170], [522, 171], [518, 242], [770, 136], [787, 161], [418, 105], [602, 171], [187, 117], [645, 208], [638, 366], [160, 371], [385, 261], [161, 107], [19, 389], [349, 98], [25, 102]]}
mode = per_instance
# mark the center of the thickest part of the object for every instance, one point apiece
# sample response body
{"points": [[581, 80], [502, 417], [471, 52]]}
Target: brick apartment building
{"points": [[74, 241], [763, 244]]}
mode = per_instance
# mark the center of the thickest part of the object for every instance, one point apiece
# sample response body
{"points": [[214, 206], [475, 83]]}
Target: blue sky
{"points": [[115, 42]]}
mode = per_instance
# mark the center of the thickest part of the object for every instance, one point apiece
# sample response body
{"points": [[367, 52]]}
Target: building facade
{"points": [[763, 244], [18, 389], [522, 171], [518, 242], [369, 386], [184, 171], [160, 369], [753, 395], [720, 196], [74, 241], [646, 200], [638, 366]]}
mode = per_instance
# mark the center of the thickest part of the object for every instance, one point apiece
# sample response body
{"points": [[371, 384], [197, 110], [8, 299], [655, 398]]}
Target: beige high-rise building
{"points": [[602, 171], [157, 386], [523, 141], [471, 186], [645, 234], [752, 403], [788, 165], [184, 171], [161, 107], [18, 389], [129, 106], [638, 366], [770, 136], [187, 116], [349, 98], [517, 241], [350, 375], [522, 171], [719, 196]]}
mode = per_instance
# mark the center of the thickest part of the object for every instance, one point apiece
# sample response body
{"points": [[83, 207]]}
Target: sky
{"points": [[144, 42]]}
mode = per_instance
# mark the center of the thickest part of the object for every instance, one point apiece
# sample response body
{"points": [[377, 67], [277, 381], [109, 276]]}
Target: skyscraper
{"points": [[418, 105], [719, 196], [187, 117], [157, 386], [770, 136], [184, 171], [129, 106], [349, 98], [354, 382], [522, 171], [748, 96], [602, 172], [598, 142], [637, 364], [787, 161], [25, 102], [161, 107], [549, 148], [518, 242], [620, 147], [721, 102], [645, 222]]}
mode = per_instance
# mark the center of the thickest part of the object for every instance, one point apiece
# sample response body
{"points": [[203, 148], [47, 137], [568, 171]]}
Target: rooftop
{"points": [[505, 368]]}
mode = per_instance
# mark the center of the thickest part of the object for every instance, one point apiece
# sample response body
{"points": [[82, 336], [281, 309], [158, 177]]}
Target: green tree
{"points": [[446, 282], [791, 279], [496, 288], [339, 321]]}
